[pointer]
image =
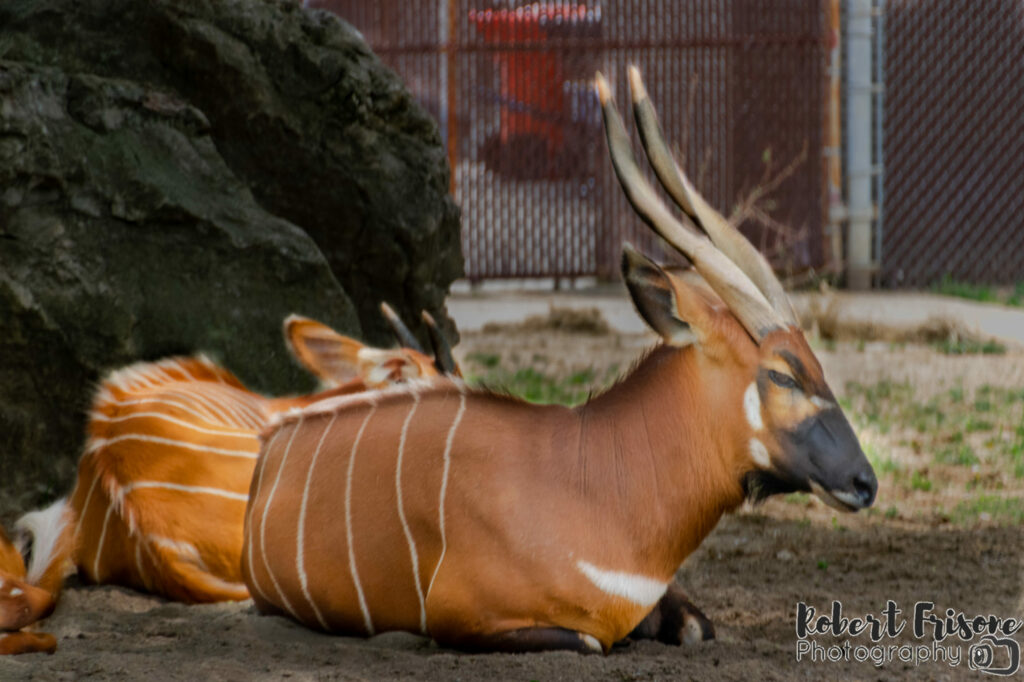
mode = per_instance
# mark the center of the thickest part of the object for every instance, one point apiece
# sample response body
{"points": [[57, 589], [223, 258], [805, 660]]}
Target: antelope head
{"points": [[336, 359], [735, 314]]}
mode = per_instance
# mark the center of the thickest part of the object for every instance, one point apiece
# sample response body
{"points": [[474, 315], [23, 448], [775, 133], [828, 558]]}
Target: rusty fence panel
{"points": [[954, 142], [739, 84]]}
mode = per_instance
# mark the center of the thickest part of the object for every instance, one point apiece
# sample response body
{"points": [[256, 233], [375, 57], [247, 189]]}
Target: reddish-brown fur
{"points": [[20, 605], [630, 482], [172, 422]]}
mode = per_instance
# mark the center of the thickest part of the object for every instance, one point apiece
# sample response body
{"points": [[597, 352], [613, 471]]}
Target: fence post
{"points": [[859, 144]]}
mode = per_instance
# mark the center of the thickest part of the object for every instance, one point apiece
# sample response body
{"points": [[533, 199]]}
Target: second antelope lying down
{"points": [[489, 523], [161, 490]]}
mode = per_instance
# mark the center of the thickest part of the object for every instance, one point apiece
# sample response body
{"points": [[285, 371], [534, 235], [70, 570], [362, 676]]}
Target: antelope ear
{"points": [[326, 354], [666, 303]]}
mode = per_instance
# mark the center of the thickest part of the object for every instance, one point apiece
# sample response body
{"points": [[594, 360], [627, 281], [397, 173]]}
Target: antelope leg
{"points": [[532, 639], [675, 620]]}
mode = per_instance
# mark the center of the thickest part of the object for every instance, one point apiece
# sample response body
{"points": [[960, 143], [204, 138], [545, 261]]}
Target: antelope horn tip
{"points": [[636, 84], [604, 91]]}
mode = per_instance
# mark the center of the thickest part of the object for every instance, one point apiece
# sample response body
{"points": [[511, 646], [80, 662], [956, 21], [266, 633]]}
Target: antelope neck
{"points": [[658, 451]]}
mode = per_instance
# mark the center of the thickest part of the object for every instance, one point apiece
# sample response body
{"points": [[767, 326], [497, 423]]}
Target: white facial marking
{"points": [[752, 407], [821, 403], [759, 453], [591, 643], [638, 589], [17, 592], [836, 500]]}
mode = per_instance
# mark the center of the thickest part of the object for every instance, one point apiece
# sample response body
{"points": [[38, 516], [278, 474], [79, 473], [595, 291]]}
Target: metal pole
{"points": [[879, 126], [834, 143], [859, 146]]}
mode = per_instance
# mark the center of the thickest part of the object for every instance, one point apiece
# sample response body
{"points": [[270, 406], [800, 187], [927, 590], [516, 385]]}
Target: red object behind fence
{"points": [[532, 99]]}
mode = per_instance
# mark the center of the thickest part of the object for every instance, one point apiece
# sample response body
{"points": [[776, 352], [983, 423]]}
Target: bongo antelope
{"points": [[162, 485], [489, 523]]}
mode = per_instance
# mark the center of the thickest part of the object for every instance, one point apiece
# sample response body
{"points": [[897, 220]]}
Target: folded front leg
{"points": [[675, 620]]}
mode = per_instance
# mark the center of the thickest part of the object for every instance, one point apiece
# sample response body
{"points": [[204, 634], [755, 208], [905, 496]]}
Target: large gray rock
{"points": [[163, 165], [301, 110], [123, 235]]}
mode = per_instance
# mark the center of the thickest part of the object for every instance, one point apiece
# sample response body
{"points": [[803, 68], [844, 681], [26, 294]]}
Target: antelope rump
{"points": [[159, 500]]}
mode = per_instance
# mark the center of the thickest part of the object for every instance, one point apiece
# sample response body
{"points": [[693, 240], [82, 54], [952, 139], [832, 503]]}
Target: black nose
{"points": [[865, 485]]}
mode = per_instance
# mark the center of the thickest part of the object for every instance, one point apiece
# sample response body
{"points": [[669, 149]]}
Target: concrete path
{"points": [[898, 310]]}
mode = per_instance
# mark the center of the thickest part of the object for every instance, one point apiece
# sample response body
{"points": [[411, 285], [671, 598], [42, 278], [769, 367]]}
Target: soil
{"points": [[748, 576]]}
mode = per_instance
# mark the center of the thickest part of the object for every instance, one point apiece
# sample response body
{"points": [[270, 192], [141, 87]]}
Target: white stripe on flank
{"points": [[143, 578], [228, 433], [197, 489], [205, 415], [99, 546], [85, 506], [444, 483], [261, 464], [348, 524], [638, 589], [300, 550], [181, 368], [246, 454], [205, 403], [234, 401], [263, 522], [401, 513], [752, 407], [214, 393]]}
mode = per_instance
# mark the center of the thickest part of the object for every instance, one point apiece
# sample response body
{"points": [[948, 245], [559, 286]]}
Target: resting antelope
{"points": [[489, 523], [162, 485]]}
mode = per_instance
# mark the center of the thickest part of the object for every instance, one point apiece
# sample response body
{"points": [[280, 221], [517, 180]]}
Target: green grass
{"points": [[538, 386], [969, 347], [1002, 510], [920, 481], [947, 286]]}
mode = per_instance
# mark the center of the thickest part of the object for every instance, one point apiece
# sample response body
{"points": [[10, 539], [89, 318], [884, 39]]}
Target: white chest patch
{"points": [[638, 589], [759, 453], [752, 407]]}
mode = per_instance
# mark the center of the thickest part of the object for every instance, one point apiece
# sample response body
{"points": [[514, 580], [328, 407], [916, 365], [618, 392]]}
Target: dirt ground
{"points": [[748, 576]]}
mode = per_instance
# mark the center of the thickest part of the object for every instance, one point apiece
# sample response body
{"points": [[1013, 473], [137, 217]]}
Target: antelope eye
{"points": [[783, 380]]}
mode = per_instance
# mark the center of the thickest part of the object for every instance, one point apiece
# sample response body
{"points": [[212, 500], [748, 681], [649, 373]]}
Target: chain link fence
{"points": [[953, 142], [741, 87]]}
